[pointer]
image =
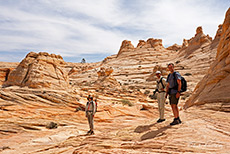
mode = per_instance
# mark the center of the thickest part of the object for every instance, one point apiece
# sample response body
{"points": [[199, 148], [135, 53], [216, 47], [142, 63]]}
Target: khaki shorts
{"points": [[173, 99]]}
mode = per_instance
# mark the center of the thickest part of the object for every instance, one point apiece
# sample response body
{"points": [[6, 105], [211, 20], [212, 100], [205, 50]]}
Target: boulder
{"points": [[39, 70], [106, 80]]}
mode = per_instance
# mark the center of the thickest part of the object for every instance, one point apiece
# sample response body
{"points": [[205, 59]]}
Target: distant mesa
{"points": [[39, 70]]}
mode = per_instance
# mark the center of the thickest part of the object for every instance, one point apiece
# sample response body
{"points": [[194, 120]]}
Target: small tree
{"points": [[83, 60]]}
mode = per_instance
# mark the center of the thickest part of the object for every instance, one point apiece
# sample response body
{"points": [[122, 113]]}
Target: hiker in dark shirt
{"points": [[173, 90]]}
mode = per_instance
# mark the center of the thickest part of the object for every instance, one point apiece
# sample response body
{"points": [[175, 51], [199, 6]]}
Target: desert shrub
{"points": [[146, 92], [126, 102], [187, 74], [177, 62], [132, 87], [52, 125]]}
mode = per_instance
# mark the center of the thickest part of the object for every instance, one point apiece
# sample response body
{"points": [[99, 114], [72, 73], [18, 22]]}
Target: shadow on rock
{"points": [[141, 129], [153, 134]]}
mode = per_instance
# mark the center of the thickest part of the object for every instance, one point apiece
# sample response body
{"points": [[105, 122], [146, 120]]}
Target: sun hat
{"points": [[158, 72]]}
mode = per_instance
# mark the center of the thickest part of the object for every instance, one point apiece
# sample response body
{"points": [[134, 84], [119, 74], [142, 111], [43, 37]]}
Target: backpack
{"points": [[183, 83], [96, 104], [161, 83], [93, 105]]}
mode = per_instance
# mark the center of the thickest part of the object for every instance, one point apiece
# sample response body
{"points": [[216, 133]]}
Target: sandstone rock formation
{"points": [[141, 43], [163, 70], [106, 80], [5, 69], [125, 46], [217, 37], [4, 72], [175, 47], [150, 43], [184, 44], [214, 89], [198, 41], [154, 43], [120, 84], [40, 70]]}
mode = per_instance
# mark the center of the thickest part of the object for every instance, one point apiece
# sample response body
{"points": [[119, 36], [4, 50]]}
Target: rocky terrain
{"points": [[42, 100], [213, 90]]}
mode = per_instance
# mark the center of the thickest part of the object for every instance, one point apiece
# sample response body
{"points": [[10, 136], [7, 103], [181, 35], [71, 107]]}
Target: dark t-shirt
{"points": [[171, 81]]}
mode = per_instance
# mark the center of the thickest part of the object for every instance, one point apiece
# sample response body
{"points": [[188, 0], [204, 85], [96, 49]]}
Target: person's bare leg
{"points": [[175, 110]]}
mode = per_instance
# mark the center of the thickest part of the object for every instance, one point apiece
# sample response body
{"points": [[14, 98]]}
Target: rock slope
{"points": [[214, 89]]}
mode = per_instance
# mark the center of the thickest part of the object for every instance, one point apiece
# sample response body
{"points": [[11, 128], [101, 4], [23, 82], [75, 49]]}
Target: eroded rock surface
{"points": [[213, 90], [39, 70]]}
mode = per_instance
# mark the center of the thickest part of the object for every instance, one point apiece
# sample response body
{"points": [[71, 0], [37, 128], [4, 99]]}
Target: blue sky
{"points": [[91, 29]]}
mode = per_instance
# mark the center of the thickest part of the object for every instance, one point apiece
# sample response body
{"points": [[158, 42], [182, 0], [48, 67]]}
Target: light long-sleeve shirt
{"points": [[159, 86], [90, 107]]}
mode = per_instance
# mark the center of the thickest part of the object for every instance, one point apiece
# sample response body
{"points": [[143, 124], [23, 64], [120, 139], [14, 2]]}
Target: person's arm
{"points": [[179, 88], [94, 108], [164, 83], [156, 90], [167, 90], [86, 107]]}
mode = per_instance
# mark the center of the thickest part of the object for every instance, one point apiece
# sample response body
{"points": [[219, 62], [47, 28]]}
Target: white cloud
{"points": [[75, 27]]}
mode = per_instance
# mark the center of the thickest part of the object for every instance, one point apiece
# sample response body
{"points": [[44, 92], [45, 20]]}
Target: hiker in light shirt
{"points": [[160, 89], [90, 111]]}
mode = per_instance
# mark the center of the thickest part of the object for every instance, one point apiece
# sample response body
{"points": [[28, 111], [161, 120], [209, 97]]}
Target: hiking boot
{"points": [[89, 132], [92, 133], [179, 120], [175, 122], [160, 120]]}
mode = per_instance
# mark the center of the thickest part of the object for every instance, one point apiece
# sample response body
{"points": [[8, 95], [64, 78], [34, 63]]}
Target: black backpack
{"points": [[183, 83], [161, 83]]}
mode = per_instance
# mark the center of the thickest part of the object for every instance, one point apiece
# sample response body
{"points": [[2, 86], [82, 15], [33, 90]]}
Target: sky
{"points": [[95, 29]]}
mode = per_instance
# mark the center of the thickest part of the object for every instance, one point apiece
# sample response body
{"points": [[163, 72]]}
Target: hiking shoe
{"points": [[160, 120], [89, 132], [92, 133], [175, 122]]}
